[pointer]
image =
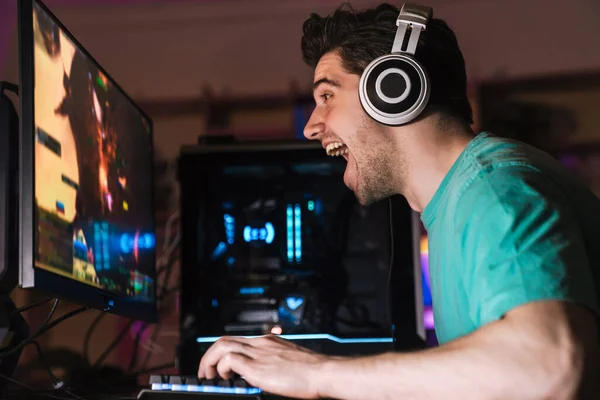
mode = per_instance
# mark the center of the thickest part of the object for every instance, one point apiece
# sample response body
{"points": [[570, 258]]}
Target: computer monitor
{"points": [[274, 242], [86, 214]]}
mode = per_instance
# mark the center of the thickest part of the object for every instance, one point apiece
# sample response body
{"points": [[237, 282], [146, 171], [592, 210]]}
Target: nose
{"points": [[315, 125]]}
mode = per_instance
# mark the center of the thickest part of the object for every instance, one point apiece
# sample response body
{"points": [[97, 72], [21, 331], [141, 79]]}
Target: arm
{"points": [[538, 351]]}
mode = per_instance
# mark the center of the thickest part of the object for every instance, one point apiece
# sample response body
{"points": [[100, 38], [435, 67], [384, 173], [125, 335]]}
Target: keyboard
{"points": [[175, 387]]}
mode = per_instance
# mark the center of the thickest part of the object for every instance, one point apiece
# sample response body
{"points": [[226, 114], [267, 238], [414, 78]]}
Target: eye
{"points": [[325, 96]]}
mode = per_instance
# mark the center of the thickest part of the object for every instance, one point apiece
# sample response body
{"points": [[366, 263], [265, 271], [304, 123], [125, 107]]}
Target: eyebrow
{"points": [[326, 81]]}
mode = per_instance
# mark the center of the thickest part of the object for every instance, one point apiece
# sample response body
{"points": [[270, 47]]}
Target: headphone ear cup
{"points": [[394, 89]]}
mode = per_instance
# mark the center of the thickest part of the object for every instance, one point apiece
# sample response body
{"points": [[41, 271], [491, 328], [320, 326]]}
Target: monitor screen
{"points": [[92, 170]]}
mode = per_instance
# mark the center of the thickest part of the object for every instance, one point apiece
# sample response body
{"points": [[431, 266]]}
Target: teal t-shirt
{"points": [[507, 226]]}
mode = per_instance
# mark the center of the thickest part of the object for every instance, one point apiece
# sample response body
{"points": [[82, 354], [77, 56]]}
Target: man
{"points": [[513, 258]]}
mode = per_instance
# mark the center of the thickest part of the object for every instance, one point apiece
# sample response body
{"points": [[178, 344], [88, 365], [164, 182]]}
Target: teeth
{"points": [[331, 149]]}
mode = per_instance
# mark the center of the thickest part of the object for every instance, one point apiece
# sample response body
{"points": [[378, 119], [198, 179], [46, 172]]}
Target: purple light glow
{"points": [[425, 266], [428, 318], [427, 308]]}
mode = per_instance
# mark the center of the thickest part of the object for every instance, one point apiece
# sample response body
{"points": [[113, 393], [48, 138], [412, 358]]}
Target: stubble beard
{"points": [[376, 161]]}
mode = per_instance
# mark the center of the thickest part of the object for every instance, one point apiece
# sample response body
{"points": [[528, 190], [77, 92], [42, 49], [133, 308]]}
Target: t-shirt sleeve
{"points": [[520, 243]]}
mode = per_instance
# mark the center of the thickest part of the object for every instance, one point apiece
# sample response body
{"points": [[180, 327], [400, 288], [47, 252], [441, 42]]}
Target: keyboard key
{"points": [[175, 380], [240, 383], [191, 380], [156, 379], [224, 383]]}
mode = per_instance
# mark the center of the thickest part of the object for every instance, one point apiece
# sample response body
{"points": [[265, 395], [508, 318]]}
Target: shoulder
{"points": [[490, 165], [510, 175], [516, 206]]}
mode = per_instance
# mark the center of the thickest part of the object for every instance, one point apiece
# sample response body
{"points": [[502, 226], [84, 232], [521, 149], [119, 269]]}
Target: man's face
{"points": [[341, 125]]}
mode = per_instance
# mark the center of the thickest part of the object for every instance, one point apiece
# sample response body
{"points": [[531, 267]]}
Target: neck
{"points": [[430, 150]]}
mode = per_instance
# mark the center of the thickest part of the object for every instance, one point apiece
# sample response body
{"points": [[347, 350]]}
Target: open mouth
{"points": [[336, 149]]}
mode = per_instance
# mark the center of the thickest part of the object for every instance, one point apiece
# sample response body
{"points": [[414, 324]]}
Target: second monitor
{"points": [[86, 182]]}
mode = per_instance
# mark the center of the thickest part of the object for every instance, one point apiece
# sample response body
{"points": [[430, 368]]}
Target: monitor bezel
{"points": [[31, 276]]}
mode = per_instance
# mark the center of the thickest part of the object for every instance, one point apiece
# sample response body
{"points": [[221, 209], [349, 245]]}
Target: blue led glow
{"points": [[147, 240], [125, 247], [298, 232], [219, 250], [127, 242], [97, 247], [290, 233], [229, 228], [266, 234], [204, 389], [311, 336], [252, 290], [80, 250], [294, 302], [270, 232]]}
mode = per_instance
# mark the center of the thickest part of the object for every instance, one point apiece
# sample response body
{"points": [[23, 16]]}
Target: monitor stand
{"points": [[13, 328]]}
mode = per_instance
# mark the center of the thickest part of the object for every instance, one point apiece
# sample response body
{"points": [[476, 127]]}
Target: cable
{"points": [[168, 248], [389, 280], [30, 306], [88, 337], [45, 327], [56, 383], [63, 318], [53, 378], [38, 332], [136, 344], [168, 224], [30, 388], [113, 345]]}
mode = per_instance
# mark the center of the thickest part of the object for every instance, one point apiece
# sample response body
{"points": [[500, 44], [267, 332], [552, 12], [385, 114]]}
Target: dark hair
{"points": [[360, 37]]}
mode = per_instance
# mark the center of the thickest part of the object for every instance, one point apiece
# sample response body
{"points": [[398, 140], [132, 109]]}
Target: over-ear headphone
{"points": [[394, 88]]}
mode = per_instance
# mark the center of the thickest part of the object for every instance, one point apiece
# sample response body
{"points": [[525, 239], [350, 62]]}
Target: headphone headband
{"points": [[414, 17]]}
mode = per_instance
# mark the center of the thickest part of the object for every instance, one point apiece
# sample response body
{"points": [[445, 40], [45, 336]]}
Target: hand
{"points": [[271, 363]]}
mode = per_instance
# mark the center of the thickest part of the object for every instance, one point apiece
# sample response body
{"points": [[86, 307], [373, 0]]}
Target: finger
{"points": [[217, 351], [202, 368], [233, 363]]}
